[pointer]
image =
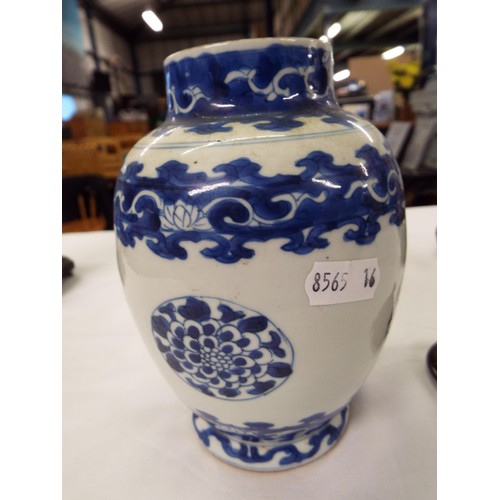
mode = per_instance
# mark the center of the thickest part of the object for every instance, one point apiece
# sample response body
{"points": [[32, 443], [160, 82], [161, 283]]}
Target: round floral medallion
{"points": [[222, 349]]}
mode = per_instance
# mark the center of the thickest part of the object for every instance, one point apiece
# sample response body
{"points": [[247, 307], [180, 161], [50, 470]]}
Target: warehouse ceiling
{"points": [[368, 26]]}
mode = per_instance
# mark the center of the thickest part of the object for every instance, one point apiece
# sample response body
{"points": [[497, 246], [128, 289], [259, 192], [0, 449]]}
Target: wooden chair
{"points": [[128, 127], [117, 128], [87, 203], [109, 155], [127, 142], [78, 159]]}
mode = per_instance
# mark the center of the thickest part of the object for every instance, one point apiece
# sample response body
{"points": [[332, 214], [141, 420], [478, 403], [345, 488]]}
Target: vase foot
{"points": [[264, 455]]}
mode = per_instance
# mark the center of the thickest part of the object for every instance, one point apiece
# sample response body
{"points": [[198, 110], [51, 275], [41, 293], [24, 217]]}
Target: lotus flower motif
{"points": [[183, 217]]}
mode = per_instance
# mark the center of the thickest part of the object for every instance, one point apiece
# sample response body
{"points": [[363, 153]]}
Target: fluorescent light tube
{"points": [[392, 53], [333, 30], [152, 20], [341, 75]]}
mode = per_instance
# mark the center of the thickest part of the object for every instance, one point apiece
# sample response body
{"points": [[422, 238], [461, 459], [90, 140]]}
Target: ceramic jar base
{"points": [[256, 454]]}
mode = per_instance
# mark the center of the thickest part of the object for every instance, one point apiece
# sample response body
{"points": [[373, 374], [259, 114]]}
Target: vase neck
{"points": [[249, 76]]}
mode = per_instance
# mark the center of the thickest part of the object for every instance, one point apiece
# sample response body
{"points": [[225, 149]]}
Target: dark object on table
{"points": [[87, 197], [67, 267], [432, 360]]}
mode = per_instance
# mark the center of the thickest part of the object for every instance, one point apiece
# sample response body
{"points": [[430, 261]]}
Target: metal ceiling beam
{"points": [[380, 44], [193, 32], [429, 34], [349, 5], [319, 9], [163, 6], [269, 17], [354, 22], [405, 18], [94, 9]]}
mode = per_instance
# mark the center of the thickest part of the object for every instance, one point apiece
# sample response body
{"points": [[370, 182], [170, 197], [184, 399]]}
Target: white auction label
{"points": [[342, 281]]}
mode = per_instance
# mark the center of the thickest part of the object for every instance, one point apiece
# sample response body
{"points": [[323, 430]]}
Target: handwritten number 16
{"points": [[369, 278]]}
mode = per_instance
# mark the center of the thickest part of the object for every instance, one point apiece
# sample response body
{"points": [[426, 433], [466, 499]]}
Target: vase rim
{"points": [[245, 44]]}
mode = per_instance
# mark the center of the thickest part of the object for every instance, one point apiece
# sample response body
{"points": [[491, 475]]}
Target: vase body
{"points": [[261, 246]]}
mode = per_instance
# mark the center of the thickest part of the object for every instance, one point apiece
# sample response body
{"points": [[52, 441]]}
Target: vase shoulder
{"points": [[329, 130]]}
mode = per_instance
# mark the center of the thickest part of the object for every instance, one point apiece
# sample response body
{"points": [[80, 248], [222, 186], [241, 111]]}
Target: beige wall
{"points": [[374, 71]]}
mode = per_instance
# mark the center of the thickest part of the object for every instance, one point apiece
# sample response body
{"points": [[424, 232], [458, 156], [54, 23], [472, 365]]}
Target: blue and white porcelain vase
{"points": [[261, 245]]}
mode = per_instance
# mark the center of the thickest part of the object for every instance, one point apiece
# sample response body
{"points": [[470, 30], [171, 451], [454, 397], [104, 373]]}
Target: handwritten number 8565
{"points": [[324, 282]]}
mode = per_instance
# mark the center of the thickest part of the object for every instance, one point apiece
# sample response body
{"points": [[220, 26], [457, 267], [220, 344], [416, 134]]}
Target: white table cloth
{"points": [[127, 436]]}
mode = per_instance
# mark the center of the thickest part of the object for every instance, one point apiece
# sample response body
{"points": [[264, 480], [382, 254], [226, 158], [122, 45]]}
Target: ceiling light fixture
{"points": [[152, 20], [333, 30], [392, 53], [341, 75]]}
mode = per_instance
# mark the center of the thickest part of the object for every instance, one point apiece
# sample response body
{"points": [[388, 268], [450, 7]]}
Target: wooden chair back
{"points": [[109, 155], [87, 203], [78, 159]]}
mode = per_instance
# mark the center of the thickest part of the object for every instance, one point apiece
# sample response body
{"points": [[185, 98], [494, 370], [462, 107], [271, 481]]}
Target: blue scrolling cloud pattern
{"points": [[271, 122], [255, 80], [268, 431], [238, 205], [246, 448]]}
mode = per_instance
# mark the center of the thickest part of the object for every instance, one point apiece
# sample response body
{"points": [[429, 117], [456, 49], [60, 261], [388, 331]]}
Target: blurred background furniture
{"points": [[109, 155], [87, 203]]}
